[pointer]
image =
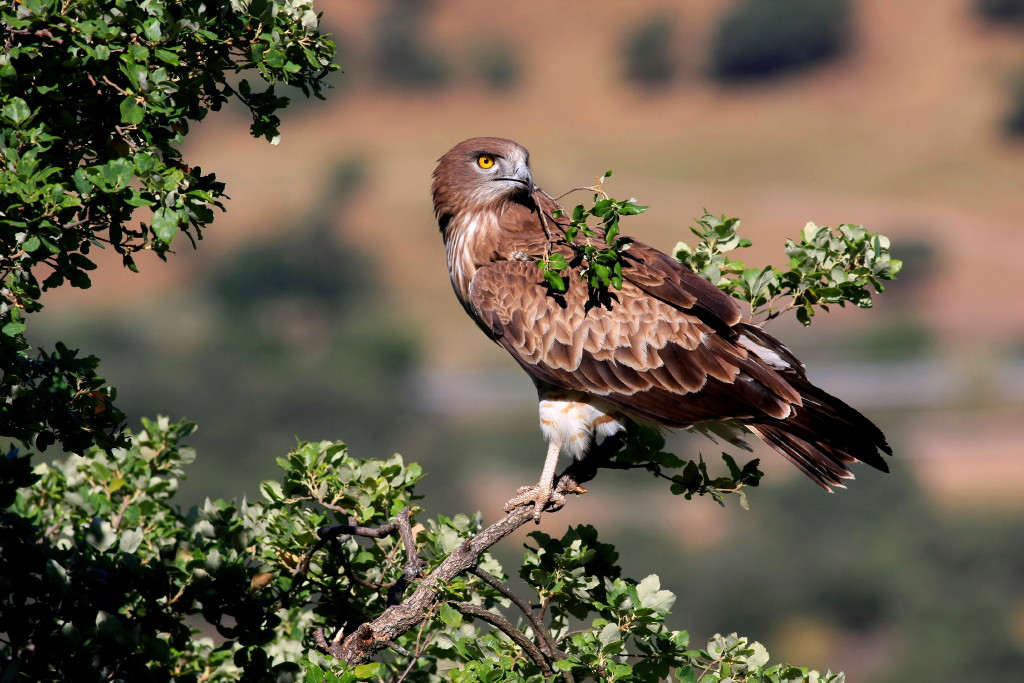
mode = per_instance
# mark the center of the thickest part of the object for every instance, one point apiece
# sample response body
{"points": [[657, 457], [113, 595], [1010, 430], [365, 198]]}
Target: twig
{"points": [[708, 667], [330, 534], [506, 627], [351, 575], [115, 86], [597, 188], [125, 504], [413, 563], [421, 645], [547, 643], [543, 218]]}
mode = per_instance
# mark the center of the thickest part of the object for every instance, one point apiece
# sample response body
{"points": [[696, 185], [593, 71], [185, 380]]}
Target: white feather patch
{"points": [[576, 421], [769, 356]]}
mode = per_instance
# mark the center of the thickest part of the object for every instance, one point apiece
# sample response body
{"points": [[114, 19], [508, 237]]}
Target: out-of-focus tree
{"points": [[762, 38], [649, 59], [401, 57], [497, 66], [1000, 11], [1013, 124]]}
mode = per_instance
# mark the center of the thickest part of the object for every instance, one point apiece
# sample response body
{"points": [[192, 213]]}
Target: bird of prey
{"points": [[667, 349]]}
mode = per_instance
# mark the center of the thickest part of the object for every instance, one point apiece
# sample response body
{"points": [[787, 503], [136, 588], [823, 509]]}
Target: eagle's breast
{"points": [[472, 243]]}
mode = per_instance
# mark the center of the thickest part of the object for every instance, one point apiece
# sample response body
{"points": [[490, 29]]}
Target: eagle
{"points": [[668, 349]]}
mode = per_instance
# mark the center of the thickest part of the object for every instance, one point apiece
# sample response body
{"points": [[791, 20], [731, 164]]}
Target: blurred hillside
{"points": [[319, 305]]}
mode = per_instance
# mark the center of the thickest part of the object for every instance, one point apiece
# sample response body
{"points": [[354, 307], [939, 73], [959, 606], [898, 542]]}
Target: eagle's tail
{"points": [[823, 436]]}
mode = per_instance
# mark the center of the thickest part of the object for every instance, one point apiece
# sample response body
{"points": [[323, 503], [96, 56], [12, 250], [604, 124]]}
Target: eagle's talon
{"points": [[541, 500]]}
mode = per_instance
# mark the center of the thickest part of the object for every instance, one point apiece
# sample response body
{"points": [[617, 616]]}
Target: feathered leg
{"points": [[544, 492]]}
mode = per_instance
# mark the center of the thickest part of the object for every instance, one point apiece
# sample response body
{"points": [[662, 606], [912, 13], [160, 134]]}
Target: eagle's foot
{"points": [[543, 498]]}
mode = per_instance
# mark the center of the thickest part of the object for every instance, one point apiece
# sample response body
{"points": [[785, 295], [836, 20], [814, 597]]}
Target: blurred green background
{"points": [[319, 306]]}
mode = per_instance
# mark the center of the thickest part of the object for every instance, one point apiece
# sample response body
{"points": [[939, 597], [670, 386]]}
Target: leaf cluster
{"points": [[825, 267], [597, 252], [95, 101], [98, 558], [644, 449], [604, 627]]}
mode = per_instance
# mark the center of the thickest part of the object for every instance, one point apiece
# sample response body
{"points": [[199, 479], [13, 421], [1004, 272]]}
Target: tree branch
{"points": [[506, 627], [371, 637], [413, 563], [547, 643]]}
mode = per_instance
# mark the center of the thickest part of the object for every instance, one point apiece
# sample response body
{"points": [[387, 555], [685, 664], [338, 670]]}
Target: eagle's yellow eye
{"points": [[485, 161]]}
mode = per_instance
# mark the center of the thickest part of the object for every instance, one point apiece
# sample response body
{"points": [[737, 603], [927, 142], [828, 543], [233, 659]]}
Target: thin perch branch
{"points": [[330, 535], [413, 563]]}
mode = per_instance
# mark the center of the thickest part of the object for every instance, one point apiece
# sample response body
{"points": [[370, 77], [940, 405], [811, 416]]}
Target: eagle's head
{"points": [[480, 173]]}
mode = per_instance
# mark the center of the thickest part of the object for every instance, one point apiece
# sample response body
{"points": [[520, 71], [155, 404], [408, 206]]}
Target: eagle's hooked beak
{"points": [[521, 175]]}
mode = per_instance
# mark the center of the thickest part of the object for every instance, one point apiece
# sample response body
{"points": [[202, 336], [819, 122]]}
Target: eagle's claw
{"points": [[541, 497]]}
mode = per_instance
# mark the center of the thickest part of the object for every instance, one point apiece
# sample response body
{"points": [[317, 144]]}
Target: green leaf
{"points": [[16, 110], [686, 674], [609, 634], [449, 615], [555, 281], [151, 29], [274, 58], [132, 112], [652, 596], [118, 173], [367, 670], [166, 56], [13, 328], [557, 262], [131, 540], [810, 231], [165, 224]]}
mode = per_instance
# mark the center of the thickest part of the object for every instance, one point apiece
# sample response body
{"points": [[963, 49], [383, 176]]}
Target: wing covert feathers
{"points": [[662, 353]]}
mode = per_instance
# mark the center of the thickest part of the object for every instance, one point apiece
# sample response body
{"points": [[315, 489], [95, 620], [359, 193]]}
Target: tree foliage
{"points": [[826, 267], [95, 100], [763, 38], [99, 559], [1000, 11]]}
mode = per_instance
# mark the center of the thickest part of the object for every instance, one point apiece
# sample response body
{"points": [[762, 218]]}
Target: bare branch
{"points": [[371, 637], [413, 563], [331, 534], [547, 643], [506, 627]]}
